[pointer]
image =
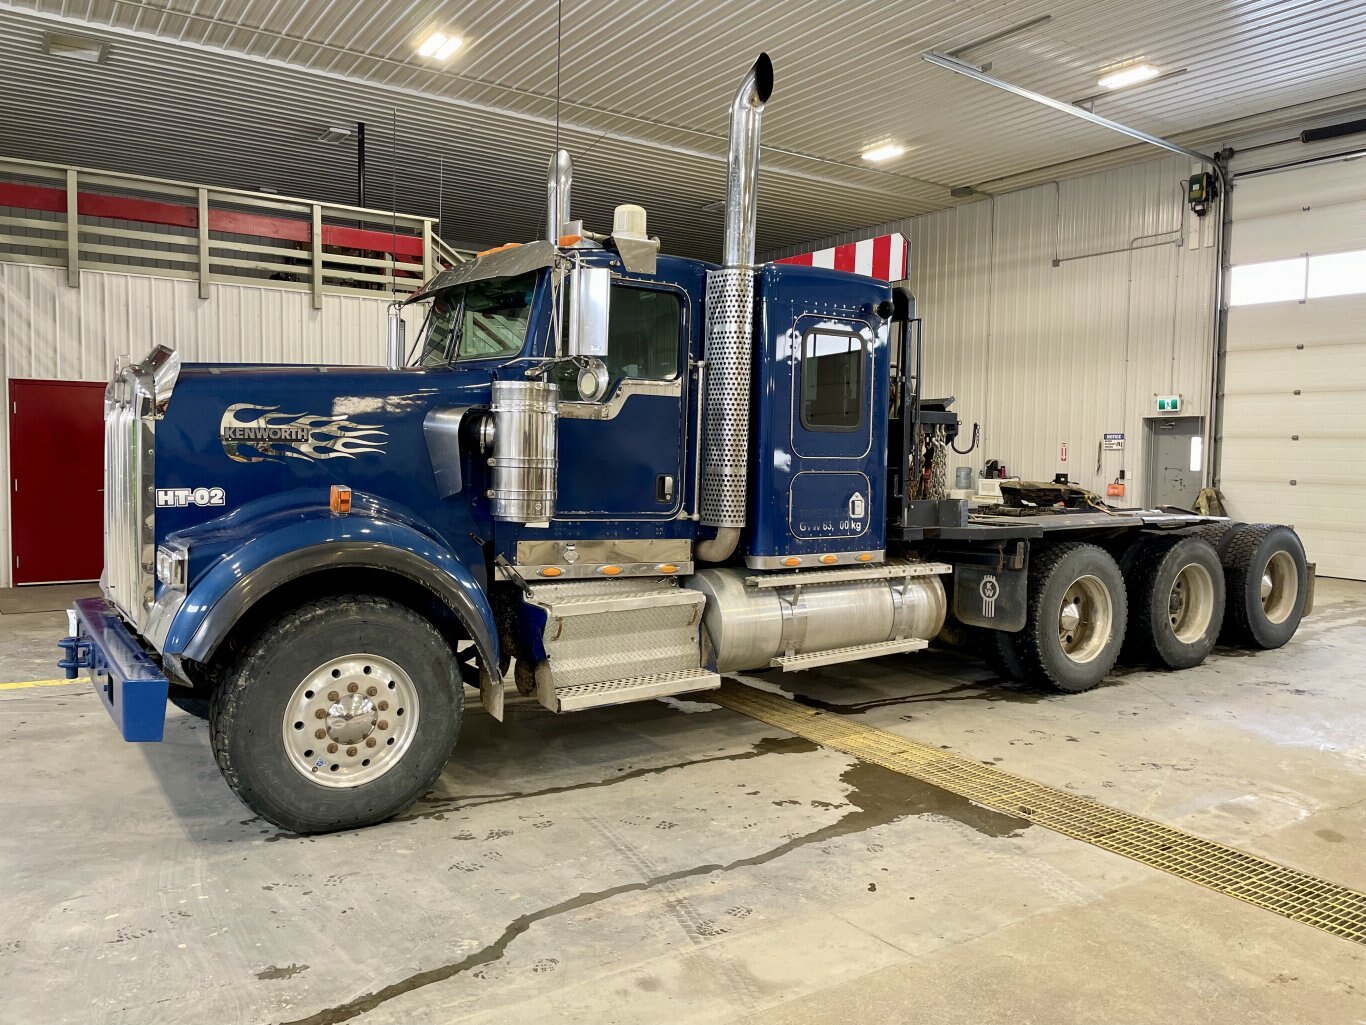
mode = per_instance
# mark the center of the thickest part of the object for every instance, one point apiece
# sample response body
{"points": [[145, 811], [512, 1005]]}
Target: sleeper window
{"points": [[832, 380]]}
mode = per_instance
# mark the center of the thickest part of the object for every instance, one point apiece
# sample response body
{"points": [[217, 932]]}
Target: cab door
{"points": [[622, 458], [832, 490]]}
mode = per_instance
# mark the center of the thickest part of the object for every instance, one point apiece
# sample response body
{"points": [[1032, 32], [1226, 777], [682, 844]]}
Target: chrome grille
{"points": [[128, 509]]}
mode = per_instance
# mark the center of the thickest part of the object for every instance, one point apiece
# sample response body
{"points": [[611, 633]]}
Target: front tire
{"points": [[1077, 614], [338, 715]]}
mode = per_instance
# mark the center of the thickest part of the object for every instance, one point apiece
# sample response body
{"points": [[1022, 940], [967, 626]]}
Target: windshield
{"points": [[480, 320]]}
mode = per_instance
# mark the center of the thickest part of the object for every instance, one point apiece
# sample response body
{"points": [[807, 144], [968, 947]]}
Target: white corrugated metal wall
{"points": [[1058, 313], [51, 331]]}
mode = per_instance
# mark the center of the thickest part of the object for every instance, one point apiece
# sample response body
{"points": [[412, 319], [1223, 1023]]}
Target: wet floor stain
{"points": [[987, 691], [276, 972], [876, 796], [435, 806]]}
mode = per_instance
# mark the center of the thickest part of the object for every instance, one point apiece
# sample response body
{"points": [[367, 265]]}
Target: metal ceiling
{"points": [[235, 93]]}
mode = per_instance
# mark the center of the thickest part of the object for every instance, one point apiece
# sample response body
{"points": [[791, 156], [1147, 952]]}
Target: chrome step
{"points": [[634, 688], [884, 571], [795, 663], [618, 635], [593, 604]]}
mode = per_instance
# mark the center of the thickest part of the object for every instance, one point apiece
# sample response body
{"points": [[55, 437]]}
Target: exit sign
{"points": [[1168, 403]]}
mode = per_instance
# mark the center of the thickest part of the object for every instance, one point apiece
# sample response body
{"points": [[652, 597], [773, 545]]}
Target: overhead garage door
{"points": [[1294, 430]]}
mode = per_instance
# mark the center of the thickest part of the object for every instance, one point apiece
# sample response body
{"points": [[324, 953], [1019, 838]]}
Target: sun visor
{"points": [[504, 262]]}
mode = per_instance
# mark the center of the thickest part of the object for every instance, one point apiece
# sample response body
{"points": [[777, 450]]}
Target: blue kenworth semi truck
{"points": [[610, 475]]}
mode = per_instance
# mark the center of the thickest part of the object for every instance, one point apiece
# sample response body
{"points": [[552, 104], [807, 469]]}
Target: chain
{"points": [[938, 463]]}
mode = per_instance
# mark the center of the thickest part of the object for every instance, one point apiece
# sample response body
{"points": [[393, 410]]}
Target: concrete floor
{"points": [[677, 862]]}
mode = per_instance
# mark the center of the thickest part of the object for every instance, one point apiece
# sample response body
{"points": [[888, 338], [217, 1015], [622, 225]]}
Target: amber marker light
{"points": [[792, 561], [667, 567], [340, 499], [551, 571], [610, 571], [828, 559]]}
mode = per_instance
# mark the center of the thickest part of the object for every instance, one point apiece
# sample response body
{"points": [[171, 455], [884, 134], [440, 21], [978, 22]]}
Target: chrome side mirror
{"points": [[589, 293]]}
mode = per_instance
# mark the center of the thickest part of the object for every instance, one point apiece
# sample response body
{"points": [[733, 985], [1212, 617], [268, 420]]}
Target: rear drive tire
{"points": [[374, 678], [1076, 619], [1003, 655], [1176, 593], [1268, 580]]}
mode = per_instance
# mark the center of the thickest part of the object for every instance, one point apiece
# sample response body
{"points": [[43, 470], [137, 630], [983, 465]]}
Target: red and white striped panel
{"points": [[883, 257]]}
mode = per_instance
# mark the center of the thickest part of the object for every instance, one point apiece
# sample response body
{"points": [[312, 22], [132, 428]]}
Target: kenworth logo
{"points": [[258, 434]]}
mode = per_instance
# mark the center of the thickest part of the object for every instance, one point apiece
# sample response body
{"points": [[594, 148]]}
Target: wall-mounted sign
{"points": [[1113, 442], [1169, 403]]}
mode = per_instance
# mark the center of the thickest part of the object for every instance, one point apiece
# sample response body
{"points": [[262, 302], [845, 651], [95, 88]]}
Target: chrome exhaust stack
{"points": [[730, 327], [559, 182], [742, 178]]}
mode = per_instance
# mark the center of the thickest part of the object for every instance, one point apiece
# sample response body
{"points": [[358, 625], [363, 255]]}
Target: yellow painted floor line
{"points": [[25, 684], [1289, 892]]}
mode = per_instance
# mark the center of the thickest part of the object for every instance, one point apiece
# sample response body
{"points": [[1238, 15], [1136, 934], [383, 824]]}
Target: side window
{"points": [[643, 334], [832, 380]]}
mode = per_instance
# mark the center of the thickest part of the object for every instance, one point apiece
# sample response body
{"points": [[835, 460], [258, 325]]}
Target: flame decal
{"points": [[261, 434]]}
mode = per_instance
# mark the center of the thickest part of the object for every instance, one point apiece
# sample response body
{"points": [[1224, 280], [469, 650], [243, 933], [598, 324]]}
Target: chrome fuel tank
{"points": [[751, 619]]}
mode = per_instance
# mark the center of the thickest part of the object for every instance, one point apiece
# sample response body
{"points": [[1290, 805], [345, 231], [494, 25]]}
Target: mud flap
{"points": [[990, 597], [491, 694]]}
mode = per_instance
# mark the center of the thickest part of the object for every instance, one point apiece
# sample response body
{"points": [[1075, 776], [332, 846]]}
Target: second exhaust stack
{"points": [[730, 327]]}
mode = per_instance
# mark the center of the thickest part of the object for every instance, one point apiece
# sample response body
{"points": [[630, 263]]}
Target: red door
{"points": [[56, 458]]}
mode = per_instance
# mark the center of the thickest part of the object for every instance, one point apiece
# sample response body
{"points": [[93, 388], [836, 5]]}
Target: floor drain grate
{"points": [[1286, 891]]}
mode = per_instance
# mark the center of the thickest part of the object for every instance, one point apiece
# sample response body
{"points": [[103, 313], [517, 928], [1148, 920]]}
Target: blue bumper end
{"points": [[125, 676]]}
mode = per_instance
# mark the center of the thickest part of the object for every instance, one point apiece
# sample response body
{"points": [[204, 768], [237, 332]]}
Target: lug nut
{"points": [[350, 752], [320, 714], [370, 741], [384, 706], [384, 724], [331, 749], [333, 696], [371, 691], [320, 733], [352, 687]]}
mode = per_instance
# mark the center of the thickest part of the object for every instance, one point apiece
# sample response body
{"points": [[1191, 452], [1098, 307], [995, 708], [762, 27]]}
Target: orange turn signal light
{"points": [[497, 249], [340, 500], [551, 571], [570, 240], [828, 559]]}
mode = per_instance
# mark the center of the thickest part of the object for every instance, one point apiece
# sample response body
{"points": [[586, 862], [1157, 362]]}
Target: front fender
{"points": [[223, 594]]}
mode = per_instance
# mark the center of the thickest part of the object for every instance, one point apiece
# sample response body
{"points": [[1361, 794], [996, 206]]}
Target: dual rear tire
{"points": [[1166, 604]]}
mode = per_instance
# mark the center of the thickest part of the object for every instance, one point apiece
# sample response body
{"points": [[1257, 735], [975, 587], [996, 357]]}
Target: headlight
{"points": [[172, 561]]}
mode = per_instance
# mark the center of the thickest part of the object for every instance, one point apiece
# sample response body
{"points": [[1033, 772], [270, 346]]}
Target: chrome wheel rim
{"points": [[1280, 587], [1084, 619], [351, 720], [1190, 605]]}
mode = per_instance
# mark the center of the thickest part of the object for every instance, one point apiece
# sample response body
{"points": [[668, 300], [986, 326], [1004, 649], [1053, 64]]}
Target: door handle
{"points": [[664, 488]]}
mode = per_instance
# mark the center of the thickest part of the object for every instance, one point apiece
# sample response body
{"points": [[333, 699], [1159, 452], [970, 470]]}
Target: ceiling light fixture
{"points": [[77, 48], [439, 46], [335, 135], [881, 153], [1129, 74]]}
